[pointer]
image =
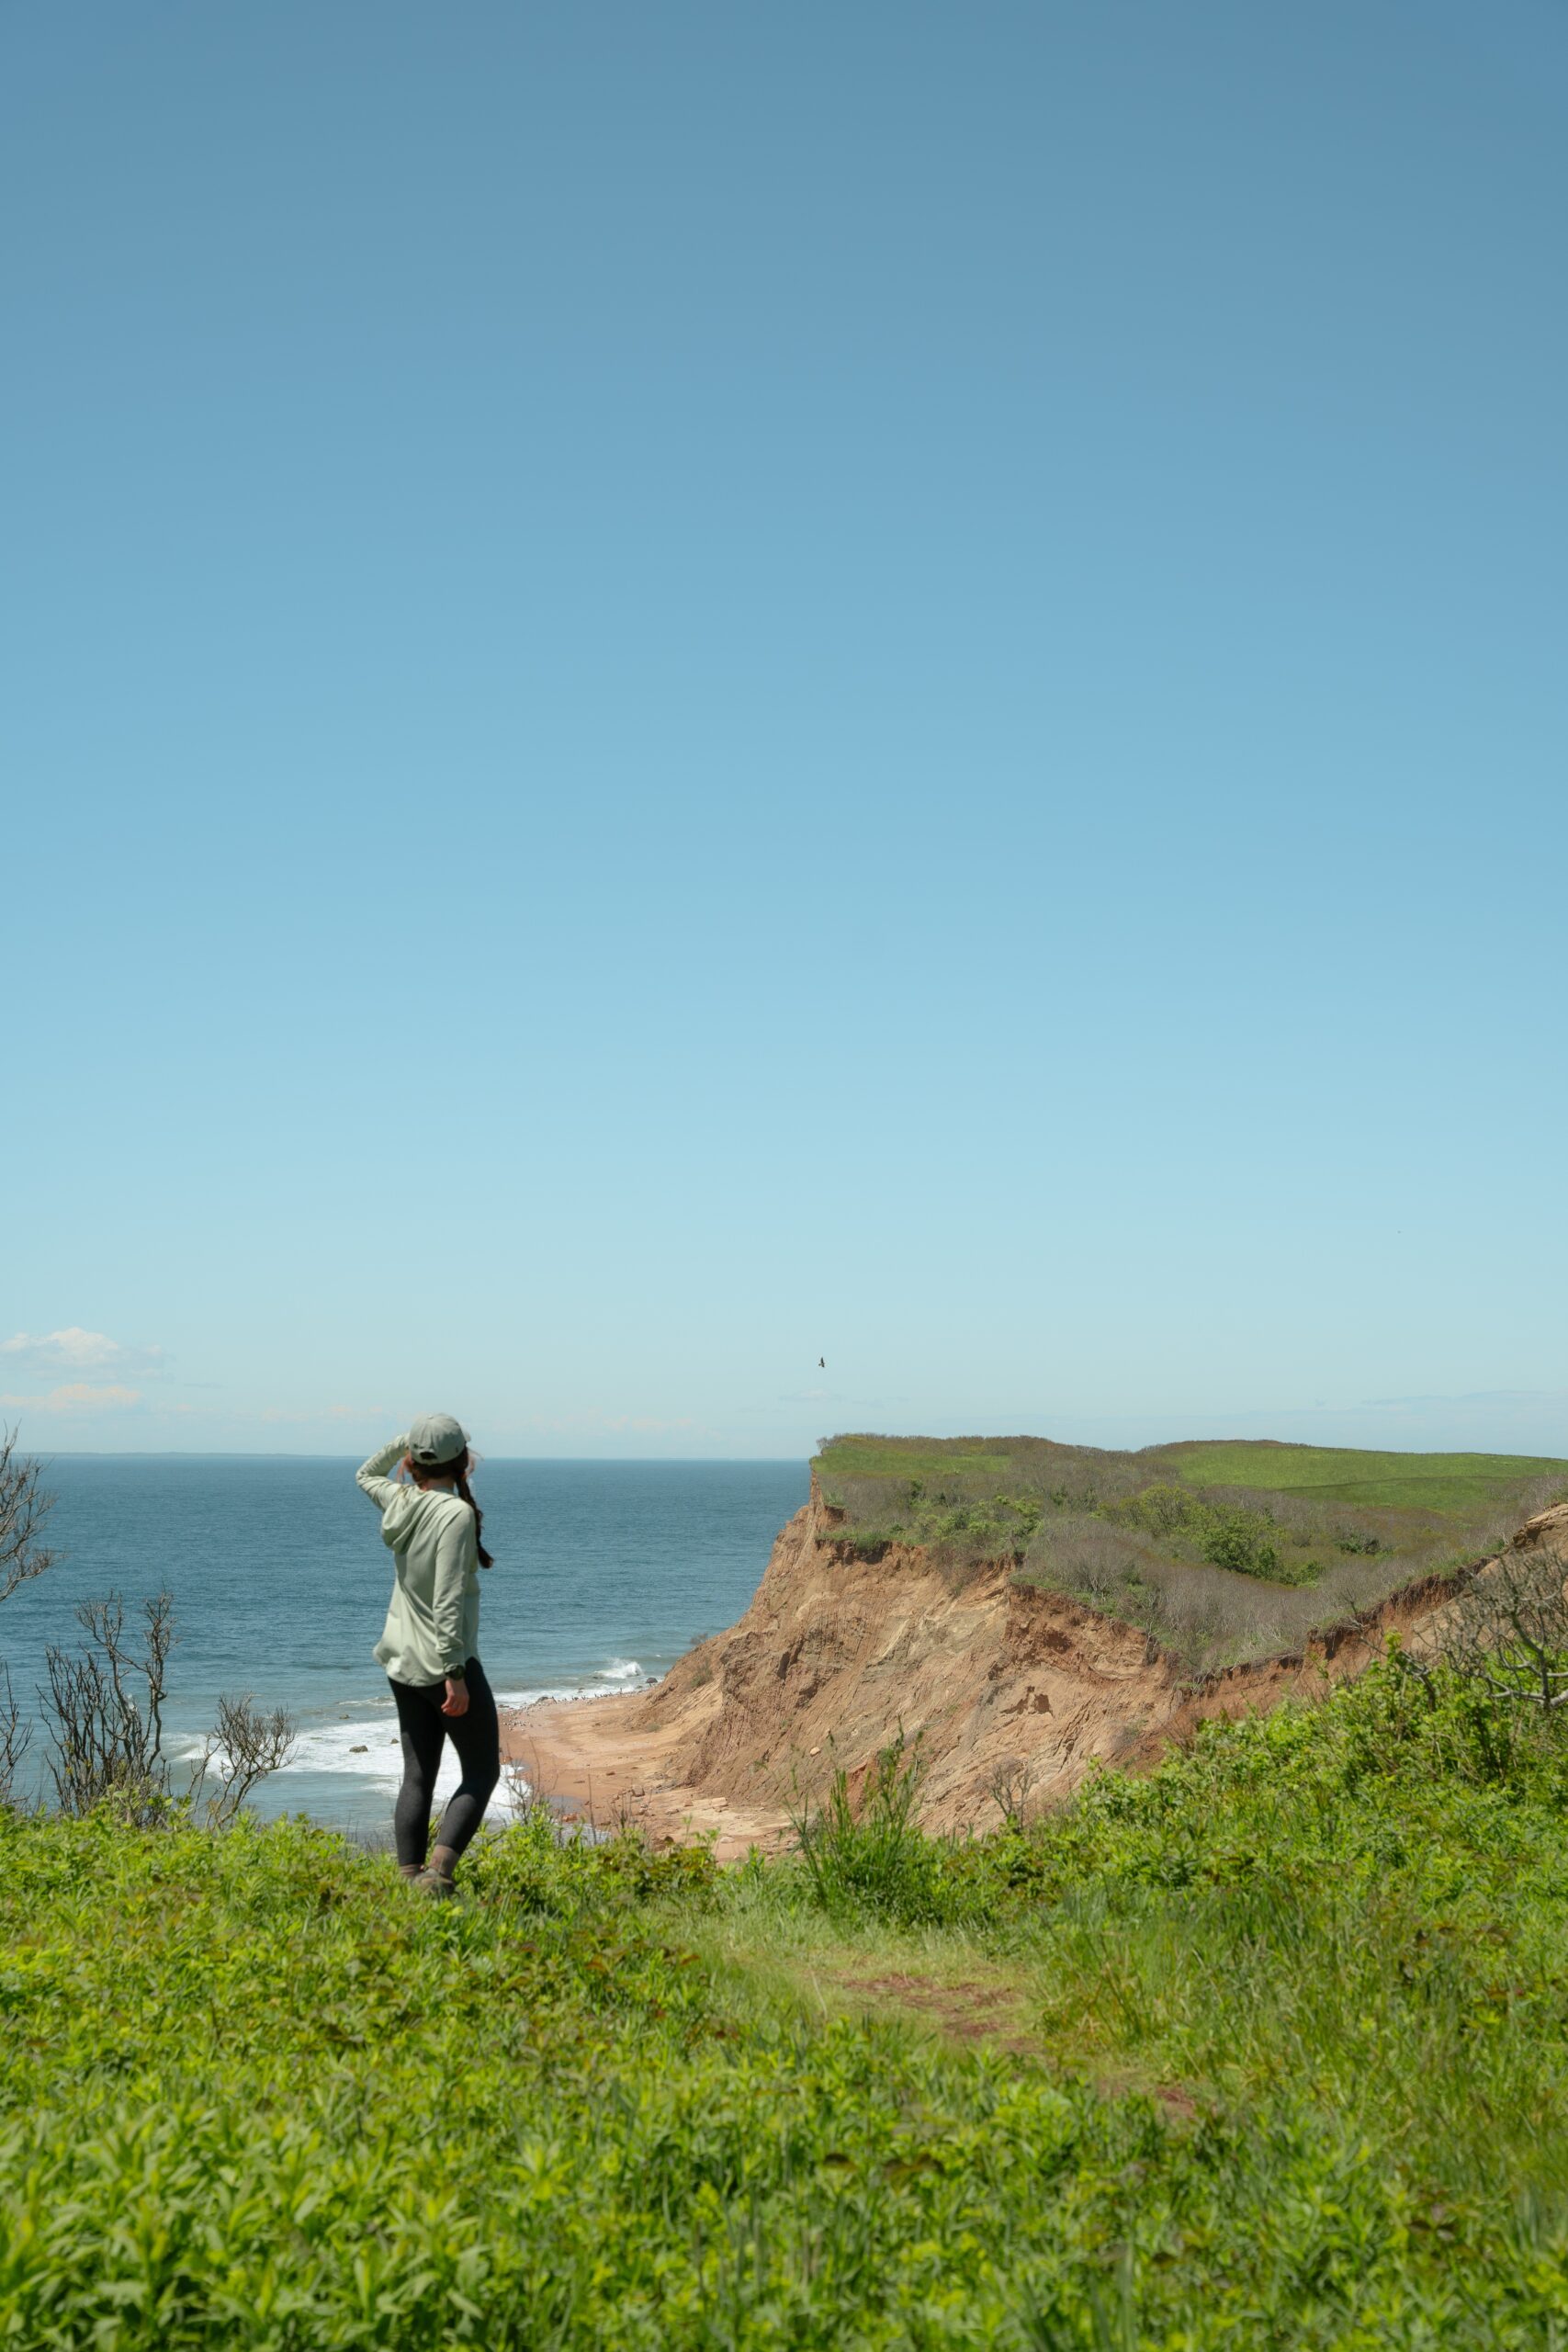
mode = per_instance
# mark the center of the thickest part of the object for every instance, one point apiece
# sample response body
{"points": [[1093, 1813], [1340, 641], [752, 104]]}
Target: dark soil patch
{"points": [[966, 2011]]}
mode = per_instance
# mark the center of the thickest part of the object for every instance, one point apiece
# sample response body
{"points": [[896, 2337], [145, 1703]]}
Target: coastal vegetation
{"points": [[103, 1709], [24, 1509], [1221, 1550], [1268, 2046]]}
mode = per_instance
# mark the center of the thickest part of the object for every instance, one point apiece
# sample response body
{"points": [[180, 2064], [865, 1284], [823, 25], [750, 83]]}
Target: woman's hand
{"points": [[455, 1702]]}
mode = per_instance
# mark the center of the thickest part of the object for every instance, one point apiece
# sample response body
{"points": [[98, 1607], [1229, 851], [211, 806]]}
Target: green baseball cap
{"points": [[435, 1439]]}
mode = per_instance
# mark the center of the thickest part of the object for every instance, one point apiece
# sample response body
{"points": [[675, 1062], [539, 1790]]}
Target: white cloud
{"points": [[73, 1349], [78, 1397]]}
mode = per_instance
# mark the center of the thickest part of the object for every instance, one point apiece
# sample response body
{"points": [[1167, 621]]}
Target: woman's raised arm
{"points": [[371, 1477]]}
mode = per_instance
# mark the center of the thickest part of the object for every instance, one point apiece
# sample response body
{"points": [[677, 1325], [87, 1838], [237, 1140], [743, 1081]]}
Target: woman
{"points": [[430, 1644]]}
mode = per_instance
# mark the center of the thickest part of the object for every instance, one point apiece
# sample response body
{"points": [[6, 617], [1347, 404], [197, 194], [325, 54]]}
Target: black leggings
{"points": [[476, 1738]]}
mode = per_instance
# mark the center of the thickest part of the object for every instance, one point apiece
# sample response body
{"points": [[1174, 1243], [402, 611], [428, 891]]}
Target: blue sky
{"points": [[693, 688]]}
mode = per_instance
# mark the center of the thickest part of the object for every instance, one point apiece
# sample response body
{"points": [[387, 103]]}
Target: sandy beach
{"points": [[594, 1757]]}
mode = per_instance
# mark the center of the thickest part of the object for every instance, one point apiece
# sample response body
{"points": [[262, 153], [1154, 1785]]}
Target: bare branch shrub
{"points": [[1009, 1788], [23, 1507], [1202, 1616], [104, 1708], [523, 1801], [1192, 1627], [1090, 1557], [14, 1736], [1509, 1629], [245, 1745], [1541, 1495]]}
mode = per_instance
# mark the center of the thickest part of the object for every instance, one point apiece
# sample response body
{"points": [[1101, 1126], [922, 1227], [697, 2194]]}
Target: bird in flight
{"points": [[821, 1364]]}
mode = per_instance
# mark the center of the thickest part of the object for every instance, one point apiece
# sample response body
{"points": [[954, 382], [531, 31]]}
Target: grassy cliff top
{"points": [[1223, 1549], [1446, 1483]]}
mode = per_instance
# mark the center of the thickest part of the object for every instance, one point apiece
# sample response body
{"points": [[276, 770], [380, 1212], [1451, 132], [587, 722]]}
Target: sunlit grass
{"points": [[1266, 2047], [1449, 1483]]}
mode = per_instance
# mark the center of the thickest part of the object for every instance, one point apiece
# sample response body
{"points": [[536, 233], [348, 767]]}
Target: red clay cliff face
{"points": [[836, 1655]]}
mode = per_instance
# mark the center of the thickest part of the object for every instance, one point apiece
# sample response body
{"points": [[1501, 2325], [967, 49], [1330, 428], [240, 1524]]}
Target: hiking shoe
{"points": [[433, 1883]]}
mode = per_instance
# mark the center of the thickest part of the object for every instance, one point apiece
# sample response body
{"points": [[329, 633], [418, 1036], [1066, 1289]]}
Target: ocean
{"points": [[605, 1572]]}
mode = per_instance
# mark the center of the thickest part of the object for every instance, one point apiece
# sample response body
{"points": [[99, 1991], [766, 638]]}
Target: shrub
{"points": [[24, 1508], [1227, 1534], [871, 1855], [538, 1866], [1508, 1632], [1239, 1540], [1091, 1558], [104, 1709]]}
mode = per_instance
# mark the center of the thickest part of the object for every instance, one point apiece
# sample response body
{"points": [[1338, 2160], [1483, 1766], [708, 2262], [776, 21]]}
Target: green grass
{"points": [[1269, 2046], [1450, 1483], [1222, 1551], [1350, 1473], [922, 1457]]}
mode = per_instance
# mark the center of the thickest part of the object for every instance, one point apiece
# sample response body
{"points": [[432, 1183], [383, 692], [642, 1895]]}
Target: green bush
{"points": [[1226, 1534], [871, 1856], [535, 1868], [1241, 1540]]}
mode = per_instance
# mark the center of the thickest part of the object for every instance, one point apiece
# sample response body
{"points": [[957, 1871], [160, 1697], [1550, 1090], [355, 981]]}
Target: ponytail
{"points": [[460, 1480], [426, 1474]]}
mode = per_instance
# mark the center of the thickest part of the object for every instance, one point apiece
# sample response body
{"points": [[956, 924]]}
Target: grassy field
{"points": [[1269, 2047], [1450, 1484], [1221, 1550]]}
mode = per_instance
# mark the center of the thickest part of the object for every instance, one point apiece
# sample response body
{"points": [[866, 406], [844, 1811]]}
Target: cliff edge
{"points": [[998, 1680], [837, 1654]]}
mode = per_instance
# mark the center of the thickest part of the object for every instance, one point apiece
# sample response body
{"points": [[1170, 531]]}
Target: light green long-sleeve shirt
{"points": [[432, 1622]]}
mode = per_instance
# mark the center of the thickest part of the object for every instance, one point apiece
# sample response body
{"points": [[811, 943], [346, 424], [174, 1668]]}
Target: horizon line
{"points": [[244, 1453]]}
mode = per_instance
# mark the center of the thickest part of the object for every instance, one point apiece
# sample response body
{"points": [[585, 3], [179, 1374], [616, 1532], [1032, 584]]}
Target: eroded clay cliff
{"points": [[836, 1655]]}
